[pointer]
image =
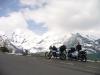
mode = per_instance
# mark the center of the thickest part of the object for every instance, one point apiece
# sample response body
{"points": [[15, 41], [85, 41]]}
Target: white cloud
{"points": [[28, 2], [13, 21], [32, 2], [69, 15]]}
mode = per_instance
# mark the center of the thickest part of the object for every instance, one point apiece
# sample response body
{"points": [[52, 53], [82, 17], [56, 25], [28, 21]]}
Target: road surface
{"points": [[27, 65]]}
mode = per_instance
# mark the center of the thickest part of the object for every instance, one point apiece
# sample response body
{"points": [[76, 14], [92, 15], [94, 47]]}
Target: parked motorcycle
{"points": [[57, 54], [81, 55], [25, 53], [72, 55]]}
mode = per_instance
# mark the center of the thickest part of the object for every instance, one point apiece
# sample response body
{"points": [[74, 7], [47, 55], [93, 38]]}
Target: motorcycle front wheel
{"points": [[48, 55]]}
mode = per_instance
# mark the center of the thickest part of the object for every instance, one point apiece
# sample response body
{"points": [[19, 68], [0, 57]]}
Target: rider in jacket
{"points": [[62, 49], [79, 47]]}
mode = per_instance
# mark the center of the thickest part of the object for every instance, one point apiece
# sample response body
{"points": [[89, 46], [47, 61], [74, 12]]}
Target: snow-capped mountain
{"points": [[51, 39], [89, 43], [20, 40]]}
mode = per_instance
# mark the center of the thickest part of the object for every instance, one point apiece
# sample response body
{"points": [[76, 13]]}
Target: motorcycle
{"points": [[72, 55], [55, 54], [25, 53], [81, 55]]}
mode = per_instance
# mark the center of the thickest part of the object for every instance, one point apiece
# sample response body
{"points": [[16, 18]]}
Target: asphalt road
{"points": [[26, 65]]}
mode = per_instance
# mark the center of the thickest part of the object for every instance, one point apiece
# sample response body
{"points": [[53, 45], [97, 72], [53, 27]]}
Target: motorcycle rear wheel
{"points": [[63, 57]]}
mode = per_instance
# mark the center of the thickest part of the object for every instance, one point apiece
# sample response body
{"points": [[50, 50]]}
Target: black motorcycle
{"points": [[82, 56], [54, 54], [25, 53], [71, 56]]}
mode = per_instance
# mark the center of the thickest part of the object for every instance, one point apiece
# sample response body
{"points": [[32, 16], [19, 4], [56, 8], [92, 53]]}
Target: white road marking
{"points": [[70, 63], [92, 67], [67, 63], [62, 62]]}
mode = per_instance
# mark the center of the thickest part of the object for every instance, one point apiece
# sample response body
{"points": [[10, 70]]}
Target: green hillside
{"points": [[94, 56]]}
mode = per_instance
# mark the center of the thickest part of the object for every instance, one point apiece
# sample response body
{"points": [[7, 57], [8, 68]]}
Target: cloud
{"points": [[29, 2], [13, 21], [68, 15], [33, 4], [11, 17]]}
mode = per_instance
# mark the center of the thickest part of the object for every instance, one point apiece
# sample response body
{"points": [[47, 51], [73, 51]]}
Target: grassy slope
{"points": [[94, 56]]}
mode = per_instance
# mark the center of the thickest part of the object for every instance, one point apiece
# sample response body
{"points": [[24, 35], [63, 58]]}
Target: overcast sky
{"points": [[41, 16]]}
